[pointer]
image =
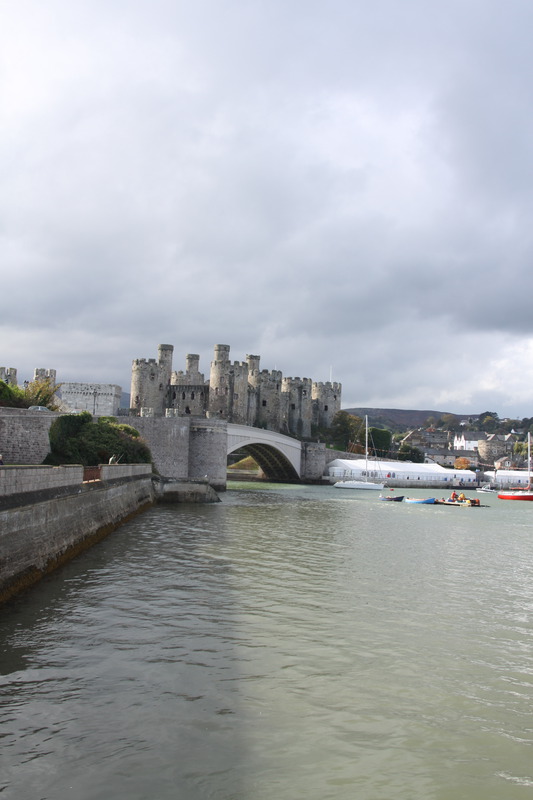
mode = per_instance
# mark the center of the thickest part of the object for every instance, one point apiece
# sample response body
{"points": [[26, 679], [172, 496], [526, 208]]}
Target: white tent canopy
{"points": [[507, 477], [357, 469]]}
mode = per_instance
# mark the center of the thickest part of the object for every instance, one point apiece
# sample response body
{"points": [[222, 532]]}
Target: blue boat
{"points": [[426, 500]]}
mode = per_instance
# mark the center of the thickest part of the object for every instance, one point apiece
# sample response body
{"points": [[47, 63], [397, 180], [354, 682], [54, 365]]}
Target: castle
{"points": [[237, 392]]}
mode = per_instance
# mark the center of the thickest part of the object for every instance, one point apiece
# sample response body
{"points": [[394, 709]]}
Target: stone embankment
{"points": [[50, 514]]}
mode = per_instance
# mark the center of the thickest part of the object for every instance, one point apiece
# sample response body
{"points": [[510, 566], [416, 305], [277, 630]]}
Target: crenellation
{"points": [[8, 375]]}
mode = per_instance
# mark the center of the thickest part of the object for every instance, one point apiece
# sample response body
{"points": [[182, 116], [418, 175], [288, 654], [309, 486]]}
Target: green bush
{"points": [[76, 439]]}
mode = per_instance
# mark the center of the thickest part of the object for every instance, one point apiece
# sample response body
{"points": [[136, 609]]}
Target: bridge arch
{"points": [[278, 456]]}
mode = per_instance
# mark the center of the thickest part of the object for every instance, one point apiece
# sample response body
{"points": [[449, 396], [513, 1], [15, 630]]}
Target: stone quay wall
{"points": [[48, 515], [24, 435]]}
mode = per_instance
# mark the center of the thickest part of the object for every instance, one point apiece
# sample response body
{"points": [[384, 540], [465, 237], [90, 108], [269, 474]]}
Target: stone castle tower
{"points": [[150, 379], [239, 392]]}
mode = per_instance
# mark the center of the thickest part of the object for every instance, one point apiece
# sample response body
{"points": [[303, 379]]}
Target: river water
{"points": [[295, 643]]}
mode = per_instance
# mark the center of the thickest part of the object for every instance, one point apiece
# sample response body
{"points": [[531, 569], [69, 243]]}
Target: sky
{"points": [[342, 188]]}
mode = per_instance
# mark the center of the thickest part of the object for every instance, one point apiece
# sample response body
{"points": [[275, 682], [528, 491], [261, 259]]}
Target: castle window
{"points": [[192, 395], [187, 410], [264, 403], [325, 408], [183, 395], [293, 406]]}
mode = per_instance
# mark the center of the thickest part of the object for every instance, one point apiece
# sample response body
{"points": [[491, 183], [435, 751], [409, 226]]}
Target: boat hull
{"points": [[523, 494], [428, 501], [461, 503], [359, 485]]}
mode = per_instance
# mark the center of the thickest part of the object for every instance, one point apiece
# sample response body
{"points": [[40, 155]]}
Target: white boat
{"points": [[518, 493], [486, 489], [365, 483]]}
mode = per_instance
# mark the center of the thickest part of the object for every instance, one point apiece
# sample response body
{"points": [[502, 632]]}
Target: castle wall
{"points": [[24, 435], [188, 399], [100, 399]]}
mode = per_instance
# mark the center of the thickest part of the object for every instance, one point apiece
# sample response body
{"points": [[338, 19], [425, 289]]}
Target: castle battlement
{"points": [[144, 362]]}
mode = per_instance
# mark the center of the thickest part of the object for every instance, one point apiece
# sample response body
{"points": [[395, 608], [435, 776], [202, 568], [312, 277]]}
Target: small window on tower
{"points": [[264, 403]]}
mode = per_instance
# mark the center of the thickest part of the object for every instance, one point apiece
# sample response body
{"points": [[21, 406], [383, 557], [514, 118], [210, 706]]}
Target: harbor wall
{"points": [[49, 514], [24, 435]]}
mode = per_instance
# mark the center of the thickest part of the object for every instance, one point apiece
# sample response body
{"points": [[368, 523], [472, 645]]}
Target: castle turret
{"points": [[45, 375], [150, 380], [8, 375], [326, 403], [228, 388], [298, 391]]}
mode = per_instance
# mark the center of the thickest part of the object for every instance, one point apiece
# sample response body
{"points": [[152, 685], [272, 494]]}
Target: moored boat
{"points": [[423, 500], [467, 503], [364, 484], [519, 492], [516, 494], [395, 498], [358, 485]]}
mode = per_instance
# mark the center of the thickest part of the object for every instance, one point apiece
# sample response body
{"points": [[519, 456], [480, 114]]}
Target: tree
{"points": [[379, 442], [449, 422], [488, 424], [345, 429], [409, 453], [462, 463], [40, 392]]}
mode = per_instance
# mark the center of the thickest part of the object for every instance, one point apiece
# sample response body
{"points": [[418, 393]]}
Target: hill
{"points": [[398, 419]]}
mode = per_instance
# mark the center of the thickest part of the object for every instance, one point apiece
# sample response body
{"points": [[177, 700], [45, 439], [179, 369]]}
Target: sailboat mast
{"points": [[529, 460], [366, 446]]}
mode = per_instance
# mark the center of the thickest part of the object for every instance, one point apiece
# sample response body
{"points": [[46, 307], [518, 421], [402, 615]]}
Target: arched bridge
{"points": [[279, 456]]}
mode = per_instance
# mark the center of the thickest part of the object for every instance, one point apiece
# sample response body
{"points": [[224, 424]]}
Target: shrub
{"points": [[76, 439]]}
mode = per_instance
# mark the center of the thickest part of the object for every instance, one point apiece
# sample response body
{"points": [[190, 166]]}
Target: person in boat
{"points": [[461, 497], [454, 495]]}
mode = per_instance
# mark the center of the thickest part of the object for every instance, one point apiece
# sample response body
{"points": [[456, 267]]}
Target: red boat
{"points": [[517, 492]]}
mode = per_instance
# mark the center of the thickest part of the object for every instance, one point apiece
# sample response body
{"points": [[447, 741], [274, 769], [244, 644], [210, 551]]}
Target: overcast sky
{"points": [[344, 188]]}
